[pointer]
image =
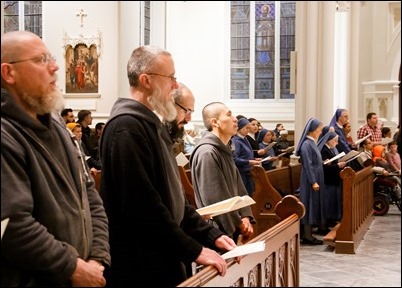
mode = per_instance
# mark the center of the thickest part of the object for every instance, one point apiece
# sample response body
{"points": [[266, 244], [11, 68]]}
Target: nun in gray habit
{"points": [[311, 181]]}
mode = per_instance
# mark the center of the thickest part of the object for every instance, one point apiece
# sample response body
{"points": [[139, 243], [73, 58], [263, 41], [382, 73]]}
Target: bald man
{"points": [[58, 230]]}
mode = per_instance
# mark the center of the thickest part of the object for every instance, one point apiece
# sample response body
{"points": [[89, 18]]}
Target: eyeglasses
{"points": [[187, 111], [44, 59], [156, 74]]}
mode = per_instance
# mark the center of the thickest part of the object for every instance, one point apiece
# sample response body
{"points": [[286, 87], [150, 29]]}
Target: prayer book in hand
{"points": [[357, 142], [226, 206], [270, 145], [334, 158], [266, 159], [353, 154]]}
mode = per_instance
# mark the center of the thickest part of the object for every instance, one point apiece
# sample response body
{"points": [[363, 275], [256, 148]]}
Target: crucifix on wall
{"points": [[81, 14]]}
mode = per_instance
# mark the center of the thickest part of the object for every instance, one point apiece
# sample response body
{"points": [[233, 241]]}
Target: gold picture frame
{"points": [[82, 56]]}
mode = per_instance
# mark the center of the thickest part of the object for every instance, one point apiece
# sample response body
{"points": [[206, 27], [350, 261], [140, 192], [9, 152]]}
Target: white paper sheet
{"points": [[3, 226], [245, 249]]}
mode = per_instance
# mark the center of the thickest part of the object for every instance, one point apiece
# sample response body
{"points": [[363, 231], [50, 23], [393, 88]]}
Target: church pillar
{"points": [[354, 87], [315, 63]]}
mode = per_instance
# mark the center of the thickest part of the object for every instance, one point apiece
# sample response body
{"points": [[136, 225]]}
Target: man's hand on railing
{"points": [[211, 257]]}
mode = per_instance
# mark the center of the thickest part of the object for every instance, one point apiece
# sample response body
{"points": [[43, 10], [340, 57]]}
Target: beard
{"points": [[162, 105], [46, 101], [176, 133]]}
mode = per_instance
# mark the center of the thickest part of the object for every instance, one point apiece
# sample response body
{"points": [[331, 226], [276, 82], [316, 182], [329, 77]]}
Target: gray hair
{"points": [[142, 60]]}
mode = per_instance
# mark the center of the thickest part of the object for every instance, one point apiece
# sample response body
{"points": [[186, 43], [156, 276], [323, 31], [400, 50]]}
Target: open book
{"points": [[334, 158], [353, 154], [357, 142], [226, 206], [270, 145], [286, 151], [266, 159], [245, 249]]}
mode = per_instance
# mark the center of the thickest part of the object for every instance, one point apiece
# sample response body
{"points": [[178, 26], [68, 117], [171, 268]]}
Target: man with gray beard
{"points": [[57, 234], [141, 186]]}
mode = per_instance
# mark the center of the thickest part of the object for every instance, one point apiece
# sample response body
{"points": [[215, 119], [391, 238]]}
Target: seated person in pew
{"points": [[366, 157], [214, 174]]}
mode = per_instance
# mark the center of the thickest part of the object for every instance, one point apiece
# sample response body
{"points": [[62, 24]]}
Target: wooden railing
{"points": [[357, 211], [276, 266]]}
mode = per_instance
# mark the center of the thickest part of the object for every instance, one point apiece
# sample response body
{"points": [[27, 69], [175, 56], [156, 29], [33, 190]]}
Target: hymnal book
{"points": [[181, 159], [266, 159], [334, 158], [357, 142], [270, 145], [287, 151], [4, 223], [226, 206], [290, 149], [353, 154], [245, 249]]}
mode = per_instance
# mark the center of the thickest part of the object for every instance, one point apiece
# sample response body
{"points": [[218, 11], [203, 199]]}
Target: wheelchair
{"points": [[384, 196]]}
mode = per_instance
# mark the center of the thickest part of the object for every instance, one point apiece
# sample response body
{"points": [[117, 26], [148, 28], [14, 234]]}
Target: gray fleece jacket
{"points": [[56, 215], [215, 177]]}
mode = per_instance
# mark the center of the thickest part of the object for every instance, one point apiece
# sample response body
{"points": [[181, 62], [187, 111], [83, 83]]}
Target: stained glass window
{"points": [[23, 15], [262, 36]]}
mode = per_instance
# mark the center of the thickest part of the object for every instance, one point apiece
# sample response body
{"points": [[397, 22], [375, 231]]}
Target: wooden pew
{"points": [[266, 194], [187, 185], [357, 211], [276, 266], [285, 179], [97, 179]]}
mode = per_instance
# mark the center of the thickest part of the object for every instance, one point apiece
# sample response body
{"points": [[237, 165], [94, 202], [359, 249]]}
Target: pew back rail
{"points": [[357, 213], [276, 266]]}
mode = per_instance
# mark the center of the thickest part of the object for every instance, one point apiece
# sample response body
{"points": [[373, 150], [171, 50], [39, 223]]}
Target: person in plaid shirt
{"points": [[371, 127]]}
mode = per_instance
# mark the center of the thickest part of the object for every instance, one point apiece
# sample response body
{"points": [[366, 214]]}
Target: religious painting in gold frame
{"points": [[82, 65]]}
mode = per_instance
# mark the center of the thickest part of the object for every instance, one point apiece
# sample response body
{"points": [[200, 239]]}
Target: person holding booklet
{"points": [[340, 118], [243, 155], [333, 182], [153, 230], [214, 174], [264, 140]]}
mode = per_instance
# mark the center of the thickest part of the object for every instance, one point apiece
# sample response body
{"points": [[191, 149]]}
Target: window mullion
{"points": [[21, 15], [277, 77], [252, 51]]}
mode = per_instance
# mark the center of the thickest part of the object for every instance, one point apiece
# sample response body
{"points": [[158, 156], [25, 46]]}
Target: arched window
{"points": [[262, 37], [22, 15]]}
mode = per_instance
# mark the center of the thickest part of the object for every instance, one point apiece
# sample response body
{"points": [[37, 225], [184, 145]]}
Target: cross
{"points": [[82, 15]]}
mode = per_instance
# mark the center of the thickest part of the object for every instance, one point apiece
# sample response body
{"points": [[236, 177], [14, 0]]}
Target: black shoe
{"points": [[322, 232], [315, 241]]}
